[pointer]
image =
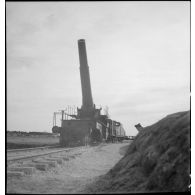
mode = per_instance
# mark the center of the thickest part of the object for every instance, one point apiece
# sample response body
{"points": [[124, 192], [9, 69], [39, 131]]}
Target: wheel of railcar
{"points": [[56, 129]]}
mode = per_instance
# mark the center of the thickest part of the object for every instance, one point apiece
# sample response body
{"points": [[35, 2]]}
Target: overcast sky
{"points": [[138, 56]]}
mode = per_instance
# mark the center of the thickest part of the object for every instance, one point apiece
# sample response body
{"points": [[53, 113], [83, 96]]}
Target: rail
{"points": [[34, 148]]}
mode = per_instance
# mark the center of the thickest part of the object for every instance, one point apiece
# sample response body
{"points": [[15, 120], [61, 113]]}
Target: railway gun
{"points": [[86, 125]]}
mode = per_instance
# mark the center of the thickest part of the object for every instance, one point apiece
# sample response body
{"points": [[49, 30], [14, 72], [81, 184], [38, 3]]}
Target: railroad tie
{"points": [[72, 156], [50, 163], [15, 174], [39, 166], [58, 160], [77, 154], [65, 158], [26, 170]]}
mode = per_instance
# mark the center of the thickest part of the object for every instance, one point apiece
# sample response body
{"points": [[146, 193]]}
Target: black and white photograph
{"points": [[98, 97]]}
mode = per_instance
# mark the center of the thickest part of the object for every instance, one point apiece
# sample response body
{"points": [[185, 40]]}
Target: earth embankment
{"points": [[157, 160]]}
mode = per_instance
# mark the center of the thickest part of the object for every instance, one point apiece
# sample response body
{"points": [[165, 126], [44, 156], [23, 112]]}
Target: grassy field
{"points": [[14, 142]]}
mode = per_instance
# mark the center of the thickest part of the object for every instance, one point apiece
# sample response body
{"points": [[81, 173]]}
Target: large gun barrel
{"points": [[87, 100]]}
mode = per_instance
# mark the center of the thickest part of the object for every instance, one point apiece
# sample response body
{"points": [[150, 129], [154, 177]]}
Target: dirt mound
{"points": [[157, 160]]}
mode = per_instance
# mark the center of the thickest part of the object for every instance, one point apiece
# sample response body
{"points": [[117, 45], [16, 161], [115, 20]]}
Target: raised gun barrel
{"points": [[87, 100]]}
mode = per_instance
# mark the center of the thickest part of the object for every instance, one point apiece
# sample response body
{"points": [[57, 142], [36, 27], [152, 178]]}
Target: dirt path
{"points": [[73, 175]]}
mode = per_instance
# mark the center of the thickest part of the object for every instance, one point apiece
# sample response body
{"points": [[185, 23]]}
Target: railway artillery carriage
{"points": [[87, 125]]}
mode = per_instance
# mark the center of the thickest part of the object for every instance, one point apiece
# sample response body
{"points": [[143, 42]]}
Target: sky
{"points": [[138, 56]]}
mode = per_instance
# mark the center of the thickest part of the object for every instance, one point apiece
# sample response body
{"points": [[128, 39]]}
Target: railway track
{"points": [[13, 156], [26, 161], [30, 149]]}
